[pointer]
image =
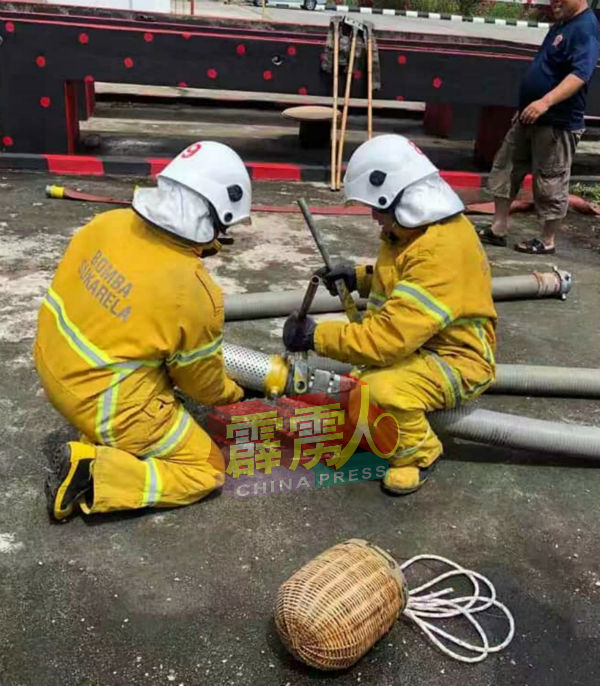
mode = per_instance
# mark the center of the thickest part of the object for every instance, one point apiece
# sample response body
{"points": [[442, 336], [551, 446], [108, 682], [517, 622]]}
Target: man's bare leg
{"points": [[499, 226], [549, 229]]}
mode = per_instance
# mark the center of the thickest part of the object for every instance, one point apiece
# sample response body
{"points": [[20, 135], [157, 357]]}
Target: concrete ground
{"points": [[186, 596]]}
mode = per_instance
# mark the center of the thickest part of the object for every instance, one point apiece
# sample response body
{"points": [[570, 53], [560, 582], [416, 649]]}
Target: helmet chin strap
{"points": [[220, 228], [211, 249]]}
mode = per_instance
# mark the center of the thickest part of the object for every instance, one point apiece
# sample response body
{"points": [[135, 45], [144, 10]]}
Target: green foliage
{"points": [[587, 191]]}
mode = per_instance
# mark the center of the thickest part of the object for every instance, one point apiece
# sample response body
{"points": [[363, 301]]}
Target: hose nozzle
{"points": [[55, 191]]}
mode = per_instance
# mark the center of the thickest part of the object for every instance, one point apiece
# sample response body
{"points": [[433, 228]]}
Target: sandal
{"points": [[534, 247], [486, 235]]}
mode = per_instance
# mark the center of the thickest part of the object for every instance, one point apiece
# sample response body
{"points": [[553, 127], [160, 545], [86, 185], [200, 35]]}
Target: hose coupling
{"points": [[565, 281]]}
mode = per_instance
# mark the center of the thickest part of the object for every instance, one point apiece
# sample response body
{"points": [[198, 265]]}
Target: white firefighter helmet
{"points": [[391, 173], [217, 173], [381, 168]]}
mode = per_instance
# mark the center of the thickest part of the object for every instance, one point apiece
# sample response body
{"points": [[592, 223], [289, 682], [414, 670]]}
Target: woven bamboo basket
{"points": [[336, 607]]}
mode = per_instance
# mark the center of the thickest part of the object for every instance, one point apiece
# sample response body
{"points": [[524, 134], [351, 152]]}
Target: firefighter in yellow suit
{"points": [[131, 313], [427, 341]]}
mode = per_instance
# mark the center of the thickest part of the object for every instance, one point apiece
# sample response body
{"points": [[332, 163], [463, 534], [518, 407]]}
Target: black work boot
{"points": [[71, 479]]}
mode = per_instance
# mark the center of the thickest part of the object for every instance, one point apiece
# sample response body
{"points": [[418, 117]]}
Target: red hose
{"points": [[351, 210], [575, 202]]}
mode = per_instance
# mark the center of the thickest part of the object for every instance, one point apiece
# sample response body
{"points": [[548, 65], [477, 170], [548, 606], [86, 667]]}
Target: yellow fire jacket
{"points": [[131, 312], [429, 290]]}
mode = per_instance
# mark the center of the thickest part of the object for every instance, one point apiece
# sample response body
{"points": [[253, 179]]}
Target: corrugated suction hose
{"points": [[514, 431], [259, 371]]}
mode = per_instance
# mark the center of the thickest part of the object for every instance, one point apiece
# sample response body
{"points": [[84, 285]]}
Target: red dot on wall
{"points": [[128, 62], [267, 75], [212, 73], [182, 84], [302, 90], [399, 98], [40, 61], [437, 82], [357, 74], [187, 36], [241, 49], [10, 27], [148, 37], [291, 51], [89, 79], [84, 39], [45, 101], [401, 59], [7, 141]]}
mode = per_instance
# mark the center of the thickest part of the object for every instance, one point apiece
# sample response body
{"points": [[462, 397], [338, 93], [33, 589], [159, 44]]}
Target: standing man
{"points": [[428, 338], [131, 313], [547, 127]]}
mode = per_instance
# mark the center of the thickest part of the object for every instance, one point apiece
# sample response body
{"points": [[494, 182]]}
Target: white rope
{"points": [[423, 607]]}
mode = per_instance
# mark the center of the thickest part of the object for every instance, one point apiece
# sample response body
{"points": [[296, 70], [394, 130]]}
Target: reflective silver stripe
{"points": [[132, 366], [185, 358], [451, 376], [487, 349], [478, 324], [153, 486], [376, 300], [99, 359], [106, 404], [168, 442], [407, 452], [75, 338], [480, 387], [432, 306]]}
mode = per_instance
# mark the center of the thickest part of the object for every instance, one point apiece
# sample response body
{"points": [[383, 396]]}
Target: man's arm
{"points": [[197, 366], [418, 308], [565, 89]]}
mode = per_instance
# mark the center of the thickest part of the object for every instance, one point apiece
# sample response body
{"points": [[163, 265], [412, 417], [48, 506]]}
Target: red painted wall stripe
{"points": [[263, 171], [274, 171], [200, 34], [462, 179], [71, 115], [157, 164], [259, 171], [121, 16], [75, 164]]}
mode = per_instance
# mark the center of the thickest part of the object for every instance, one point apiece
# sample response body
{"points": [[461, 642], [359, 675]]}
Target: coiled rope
{"points": [[423, 608]]}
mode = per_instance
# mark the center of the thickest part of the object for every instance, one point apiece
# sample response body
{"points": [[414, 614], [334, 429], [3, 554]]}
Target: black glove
{"points": [[344, 270], [298, 334]]}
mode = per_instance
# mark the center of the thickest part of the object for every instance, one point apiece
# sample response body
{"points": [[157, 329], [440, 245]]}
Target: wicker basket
{"points": [[336, 607]]}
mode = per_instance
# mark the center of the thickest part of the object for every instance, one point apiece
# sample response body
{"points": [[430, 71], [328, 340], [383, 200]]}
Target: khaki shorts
{"points": [[545, 151]]}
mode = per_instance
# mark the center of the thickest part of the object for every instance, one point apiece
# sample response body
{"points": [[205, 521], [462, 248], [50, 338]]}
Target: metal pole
{"points": [[349, 76], [344, 294], [336, 64]]}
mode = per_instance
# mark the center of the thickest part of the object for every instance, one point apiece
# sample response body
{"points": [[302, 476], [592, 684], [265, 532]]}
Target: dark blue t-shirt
{"points": [[569, 48]]}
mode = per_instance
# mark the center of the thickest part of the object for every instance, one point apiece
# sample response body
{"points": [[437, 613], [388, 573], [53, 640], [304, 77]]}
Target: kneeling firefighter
{"points": [[428, 338], [131, 313]]}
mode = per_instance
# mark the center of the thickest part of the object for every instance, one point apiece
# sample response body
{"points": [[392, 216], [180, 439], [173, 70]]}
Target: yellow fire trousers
{"points": [[123, 481], [160, 456], [420, 383]]}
